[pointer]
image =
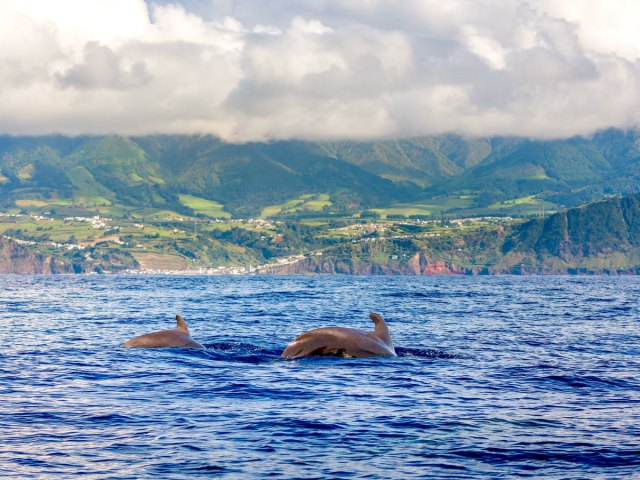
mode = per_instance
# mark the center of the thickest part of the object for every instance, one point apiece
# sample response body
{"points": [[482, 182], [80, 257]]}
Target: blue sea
{"points": [[497, 377]]}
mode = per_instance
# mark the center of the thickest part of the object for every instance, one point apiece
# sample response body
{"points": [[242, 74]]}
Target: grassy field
{"points": [[88, 200], [155, 214], [204, 207], [530, 205], [31, 203], [464, 205], [303, 204], [274, 210], [62, 232], [158, 261], [432, 207], [92, 192], [315, 203], [43, 203], [117, 211]]}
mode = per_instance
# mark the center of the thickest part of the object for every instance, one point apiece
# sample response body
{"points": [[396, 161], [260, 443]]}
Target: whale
{"points": [[343, 342], [177, 337]]}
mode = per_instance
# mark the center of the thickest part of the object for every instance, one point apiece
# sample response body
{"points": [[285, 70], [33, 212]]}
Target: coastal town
{"points": [[179, 245]]}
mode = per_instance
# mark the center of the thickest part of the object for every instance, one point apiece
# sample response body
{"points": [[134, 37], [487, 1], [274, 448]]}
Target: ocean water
{"points": [[497, 377]]}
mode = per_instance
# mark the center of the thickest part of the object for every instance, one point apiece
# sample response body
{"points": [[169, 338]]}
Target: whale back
{"points": [[177, 337], [343, 342], [381, 331], [181, 325]]}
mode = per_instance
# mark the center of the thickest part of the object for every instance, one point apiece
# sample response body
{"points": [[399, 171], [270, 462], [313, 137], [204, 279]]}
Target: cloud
{"points": [[102, 68], [323, 69]]}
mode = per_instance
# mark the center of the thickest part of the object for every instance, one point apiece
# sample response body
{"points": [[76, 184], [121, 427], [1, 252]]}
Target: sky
{"points": [[260, 70]]}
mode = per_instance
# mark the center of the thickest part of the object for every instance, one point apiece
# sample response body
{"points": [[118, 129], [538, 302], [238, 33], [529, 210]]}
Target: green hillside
{"points": [[439, 176], [599, 237], [564, 172]]}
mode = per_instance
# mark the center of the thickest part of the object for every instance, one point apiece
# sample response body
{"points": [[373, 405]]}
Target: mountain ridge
{"points": [[153, 171]]}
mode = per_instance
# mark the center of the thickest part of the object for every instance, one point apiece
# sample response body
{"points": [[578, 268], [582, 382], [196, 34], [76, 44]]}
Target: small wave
{"points": [[599, 300], [621, 308], [218, 469], [425, 353], [110, 418], [271, 295], [302, 426], [434, 294], [248, 352], [241, 352], [168, 469], [452, 294], [588, 455], [242, 348], [588, 381]]}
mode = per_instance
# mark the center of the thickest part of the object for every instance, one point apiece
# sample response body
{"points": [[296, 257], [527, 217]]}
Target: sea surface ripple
{"points": [[497, 377]]}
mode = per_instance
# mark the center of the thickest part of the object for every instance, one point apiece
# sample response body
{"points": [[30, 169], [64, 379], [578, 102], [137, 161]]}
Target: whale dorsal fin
{"points": [[181, 325], [381, 330]]}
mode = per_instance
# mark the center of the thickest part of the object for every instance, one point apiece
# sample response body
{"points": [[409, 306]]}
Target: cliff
{"points": [[15, 258], [418, 264]]}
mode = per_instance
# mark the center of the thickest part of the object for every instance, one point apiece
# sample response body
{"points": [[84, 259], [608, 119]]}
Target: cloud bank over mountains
{"points": [[250, 70]]}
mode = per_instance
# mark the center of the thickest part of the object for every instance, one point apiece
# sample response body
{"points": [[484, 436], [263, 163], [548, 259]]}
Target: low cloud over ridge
{"points": [[328, 69]]}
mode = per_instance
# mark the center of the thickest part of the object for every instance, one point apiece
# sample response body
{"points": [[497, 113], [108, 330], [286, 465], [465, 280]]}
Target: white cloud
{"points": [[319, 69], [608, 27], [102, 68]]}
